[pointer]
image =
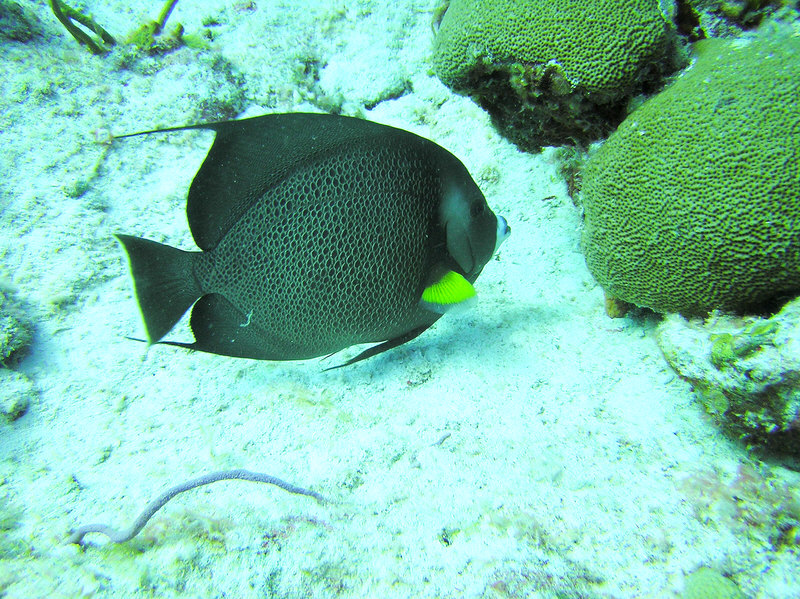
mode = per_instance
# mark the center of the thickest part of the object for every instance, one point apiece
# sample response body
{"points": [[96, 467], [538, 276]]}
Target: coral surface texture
{"points": [[693, 203], [554, 72]]}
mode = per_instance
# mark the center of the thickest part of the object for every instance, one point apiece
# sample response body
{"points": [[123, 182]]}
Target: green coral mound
{"points": [[693, 203], [554, 72]]}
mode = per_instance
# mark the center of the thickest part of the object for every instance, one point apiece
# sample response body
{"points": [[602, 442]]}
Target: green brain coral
{"points": [[693, 204], [554, 72]]}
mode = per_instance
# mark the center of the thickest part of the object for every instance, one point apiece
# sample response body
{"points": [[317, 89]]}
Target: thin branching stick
{"points": [[121, 536], [166, 11], [66, 14]]}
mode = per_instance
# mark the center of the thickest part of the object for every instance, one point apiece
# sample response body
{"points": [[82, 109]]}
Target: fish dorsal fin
{"points": [[250, 156]]}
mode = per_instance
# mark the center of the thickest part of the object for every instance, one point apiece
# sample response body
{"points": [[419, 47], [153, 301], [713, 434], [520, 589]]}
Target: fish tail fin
{"points": [[164, 282]]}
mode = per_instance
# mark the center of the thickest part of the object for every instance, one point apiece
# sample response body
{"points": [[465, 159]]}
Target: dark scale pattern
{"points": [[335, 254]]}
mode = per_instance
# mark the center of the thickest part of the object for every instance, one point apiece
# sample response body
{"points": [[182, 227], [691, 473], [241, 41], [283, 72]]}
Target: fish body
{"points": [[317, 232]]}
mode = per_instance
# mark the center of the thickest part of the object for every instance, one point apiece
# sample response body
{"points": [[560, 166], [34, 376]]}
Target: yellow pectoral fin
{"points": [[448, 292]]}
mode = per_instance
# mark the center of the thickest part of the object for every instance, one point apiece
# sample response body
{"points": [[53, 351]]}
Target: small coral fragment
{"points": [[745, 372], [616, 308], [16, 393], [706, 583], [16, 331]]}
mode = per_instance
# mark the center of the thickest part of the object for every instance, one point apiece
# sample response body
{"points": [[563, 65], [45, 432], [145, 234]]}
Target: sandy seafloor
{"points": [[530, 447]]}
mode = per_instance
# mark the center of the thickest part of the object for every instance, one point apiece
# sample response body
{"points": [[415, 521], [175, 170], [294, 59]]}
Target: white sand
{"points": [[565, 436]]}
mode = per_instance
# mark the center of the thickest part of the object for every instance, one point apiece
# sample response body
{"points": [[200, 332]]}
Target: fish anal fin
{"points": [[220, 328], [382, 347]]}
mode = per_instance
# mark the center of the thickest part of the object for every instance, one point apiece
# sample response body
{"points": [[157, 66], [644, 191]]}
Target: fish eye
{"points": [[476, 209]]}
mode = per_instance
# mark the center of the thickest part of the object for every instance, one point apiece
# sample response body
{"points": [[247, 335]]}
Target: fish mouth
{"points": [[503, 231]]}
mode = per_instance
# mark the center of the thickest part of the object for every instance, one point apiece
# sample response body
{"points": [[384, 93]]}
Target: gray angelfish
{"points": [[317, 232]]}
